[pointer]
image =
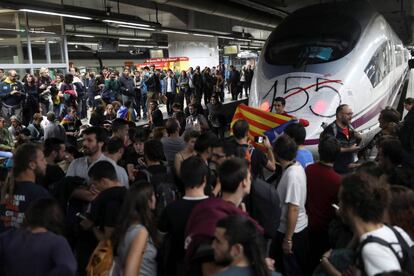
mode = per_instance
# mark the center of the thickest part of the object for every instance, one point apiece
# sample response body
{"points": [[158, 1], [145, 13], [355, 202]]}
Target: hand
{"points": [[43, 86], [141, 162], [14, 92], [327, 255], [270, 263], [353, 166], [266, 143], [287, 246], [354, 148], [86, 224]]}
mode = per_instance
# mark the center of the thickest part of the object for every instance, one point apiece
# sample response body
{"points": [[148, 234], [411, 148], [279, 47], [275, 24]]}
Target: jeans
{"points": [[144, 104], [297, 263], [137, 105], [170, 102]]}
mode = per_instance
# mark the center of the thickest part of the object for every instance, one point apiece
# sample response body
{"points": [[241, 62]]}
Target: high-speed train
{"points": [[325, 55]]}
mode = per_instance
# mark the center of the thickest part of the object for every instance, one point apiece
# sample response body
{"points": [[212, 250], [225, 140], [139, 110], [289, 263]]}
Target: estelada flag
{"points": [[259, 121]]}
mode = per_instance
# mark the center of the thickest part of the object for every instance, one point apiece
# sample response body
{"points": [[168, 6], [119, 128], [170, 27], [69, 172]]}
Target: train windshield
{"points": [[312, 40]]}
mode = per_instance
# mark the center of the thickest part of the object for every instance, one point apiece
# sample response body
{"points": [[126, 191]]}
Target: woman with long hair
{"points": [[32, 100], [38, 248], [184, 89], [135, 236], [110, 113]]}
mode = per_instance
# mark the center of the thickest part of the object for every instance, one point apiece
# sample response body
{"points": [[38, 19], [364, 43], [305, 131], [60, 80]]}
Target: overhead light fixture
{"points": [[205, 35], [41, 32], [56, 14], [83, 43], [174, 32], [258, 41], [137, 46], [12, 30], [136, 27], [126, 23], [226, 37], [243, 39], [82, 35], [132, 39], [163, 47]]}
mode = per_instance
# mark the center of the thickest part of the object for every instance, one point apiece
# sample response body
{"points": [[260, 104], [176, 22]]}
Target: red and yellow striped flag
{"points": [[259, 121]]}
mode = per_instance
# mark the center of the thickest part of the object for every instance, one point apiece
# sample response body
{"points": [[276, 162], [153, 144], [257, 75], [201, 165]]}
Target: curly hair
{"points": [[367, 197]]}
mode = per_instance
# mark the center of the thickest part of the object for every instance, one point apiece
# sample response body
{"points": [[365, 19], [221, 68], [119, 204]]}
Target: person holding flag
{"points": [[279, 105]]}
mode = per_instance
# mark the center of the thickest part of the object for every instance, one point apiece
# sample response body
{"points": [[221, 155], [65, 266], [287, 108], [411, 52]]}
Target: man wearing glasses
{"points": [[348, 138], [12, 95]]}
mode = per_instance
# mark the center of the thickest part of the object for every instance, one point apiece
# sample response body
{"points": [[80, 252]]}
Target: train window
{"points": [[312, 39], [380, 64]]}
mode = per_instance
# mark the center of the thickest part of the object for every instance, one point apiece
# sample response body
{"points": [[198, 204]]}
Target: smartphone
{"points": [[259, 139], [80, 215], [335, 206]]}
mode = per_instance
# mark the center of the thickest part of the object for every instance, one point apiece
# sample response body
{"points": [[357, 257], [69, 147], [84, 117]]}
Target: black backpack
{"points": [[165, 189], [406, 262]]}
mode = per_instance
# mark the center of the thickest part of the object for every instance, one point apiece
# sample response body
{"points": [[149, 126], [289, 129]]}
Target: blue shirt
{"points": [[304, 157]]}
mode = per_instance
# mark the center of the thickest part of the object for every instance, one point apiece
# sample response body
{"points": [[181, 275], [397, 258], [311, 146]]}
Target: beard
{"points": [[39, 172], [225, 260], [90, 151]]}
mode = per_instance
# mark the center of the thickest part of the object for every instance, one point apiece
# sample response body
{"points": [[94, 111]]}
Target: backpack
{"points": [[406, 262], [165, 190], [101, 260]]}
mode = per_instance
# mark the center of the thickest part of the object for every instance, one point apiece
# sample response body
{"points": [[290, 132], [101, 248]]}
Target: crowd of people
{"points": [[184, 196], [131, 89]]}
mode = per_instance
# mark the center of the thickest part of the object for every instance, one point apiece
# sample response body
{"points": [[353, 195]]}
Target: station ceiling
{"points": [[253, 19]]}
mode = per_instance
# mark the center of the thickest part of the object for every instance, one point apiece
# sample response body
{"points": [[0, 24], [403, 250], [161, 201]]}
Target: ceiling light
{"points": [[41, 32], [132, 39], [174, 32], [243, 39], [226, 37], [83, 43], [82, 35], [56, 14], [136, 46], [206, 35], [126, 23], [136, 27], [12, 30], [163, 47]]}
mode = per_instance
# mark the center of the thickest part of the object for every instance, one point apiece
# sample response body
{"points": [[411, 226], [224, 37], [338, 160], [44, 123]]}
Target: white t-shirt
{"points": [[169, 86], [292, 189], [378, 258], [80, 167]]}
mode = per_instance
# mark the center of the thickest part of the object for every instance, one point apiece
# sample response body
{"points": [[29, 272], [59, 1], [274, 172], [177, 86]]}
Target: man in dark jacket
{"points": [[12, 95], [347, 137], [127, 87], [198, 84], [407, 128], [234, 82]]}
